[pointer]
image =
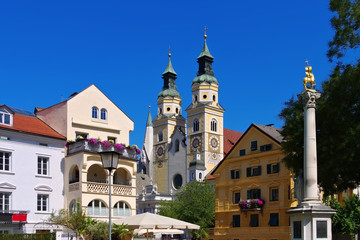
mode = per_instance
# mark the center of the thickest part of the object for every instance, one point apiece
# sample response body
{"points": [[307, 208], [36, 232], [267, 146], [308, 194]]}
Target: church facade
{"points": [[177, 150]]}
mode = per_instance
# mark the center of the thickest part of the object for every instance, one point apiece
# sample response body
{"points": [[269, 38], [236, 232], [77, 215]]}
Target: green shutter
{"points": [[268, 167], [248, 172], [232, 174], [248, 193], [259, 167]]}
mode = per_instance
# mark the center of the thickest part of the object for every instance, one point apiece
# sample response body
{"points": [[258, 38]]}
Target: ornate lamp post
{"points": [[109, 161]]}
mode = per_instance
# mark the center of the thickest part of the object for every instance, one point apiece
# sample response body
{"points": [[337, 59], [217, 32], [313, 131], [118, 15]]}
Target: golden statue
{"points": [[309, 79]]}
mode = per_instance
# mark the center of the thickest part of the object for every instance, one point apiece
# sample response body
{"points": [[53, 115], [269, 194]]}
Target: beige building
{"points": [[254, 189], [89, 116]]}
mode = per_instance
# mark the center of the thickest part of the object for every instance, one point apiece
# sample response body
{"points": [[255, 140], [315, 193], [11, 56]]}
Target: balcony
{"points": [[96, 147], [103, 188]]}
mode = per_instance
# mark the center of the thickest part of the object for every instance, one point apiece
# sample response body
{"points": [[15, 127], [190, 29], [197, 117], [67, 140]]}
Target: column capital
{"points": [[309, 97]]}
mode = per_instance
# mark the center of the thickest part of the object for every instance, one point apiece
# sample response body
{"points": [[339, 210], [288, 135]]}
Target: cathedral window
{"points": [[195, 99], [204, 96], [177, 110], [177, 145], [160, 136], [95, 112], [214, 98], [196, 125], [213, 125], [177, 181]]}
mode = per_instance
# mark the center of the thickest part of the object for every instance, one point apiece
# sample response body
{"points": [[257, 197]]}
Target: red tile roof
{"points": [[32, 125], [230, 138]]}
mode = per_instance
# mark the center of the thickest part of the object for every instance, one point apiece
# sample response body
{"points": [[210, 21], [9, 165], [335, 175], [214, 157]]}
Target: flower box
{"points": [[251, 204]]}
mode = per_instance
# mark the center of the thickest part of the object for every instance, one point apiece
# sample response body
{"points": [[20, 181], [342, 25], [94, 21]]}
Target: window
{"points": [[4, 232], [200, 176], [214, 98], [273, 168], [253, 171], [264, 148], [5, 161], [253, 145], [5, 117], [43, 166], [103, 114], [81, 134], [168, 109], [242, 152], [195, 98], [254, 220], [236, 221], [196, 125], [97, 208], [235, 174], [160, 136], [297, 229], [121, 209], [4, 201], [177, 181], [113, 139], [236, 197], [274, 194], [42, 202], [176, 110], [253, 193], [213, 125], [177, 145], [274, 219], [321, 229], [73, 207], [95, 112]]}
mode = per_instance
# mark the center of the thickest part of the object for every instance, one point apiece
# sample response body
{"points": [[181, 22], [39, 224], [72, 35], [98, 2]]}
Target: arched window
{"points": [[177, 145], [121, 209], [160, 136], [97, 208], [213, 125], [103, 114], [177, 181], [95, 112], [196, 125], [74, 174], [74, 205], [200, 176]]}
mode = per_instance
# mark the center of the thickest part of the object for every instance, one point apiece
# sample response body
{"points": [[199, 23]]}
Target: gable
{"points": [[7, 186]]}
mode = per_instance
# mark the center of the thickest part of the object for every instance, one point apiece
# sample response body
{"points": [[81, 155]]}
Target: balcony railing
{"points": [[103, 188], [84, 145]]}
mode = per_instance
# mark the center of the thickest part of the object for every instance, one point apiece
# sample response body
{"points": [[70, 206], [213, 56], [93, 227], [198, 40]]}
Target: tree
{"points": [[195, 203], [338, 114], [347, 218], [346, 23]]}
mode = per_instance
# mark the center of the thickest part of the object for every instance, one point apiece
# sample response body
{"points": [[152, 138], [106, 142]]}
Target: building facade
{"points": [[95, 123], [254, 189], [31, 172]]}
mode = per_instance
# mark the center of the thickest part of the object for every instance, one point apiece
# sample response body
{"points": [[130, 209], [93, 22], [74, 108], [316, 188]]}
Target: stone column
{"points": [[311, 194]]}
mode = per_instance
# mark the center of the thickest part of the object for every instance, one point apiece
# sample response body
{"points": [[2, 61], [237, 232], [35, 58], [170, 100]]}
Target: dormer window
{"points": [[103, 114], [5, 117], [95, 112]]}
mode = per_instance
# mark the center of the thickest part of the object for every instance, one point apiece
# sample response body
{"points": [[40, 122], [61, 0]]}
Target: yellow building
{"points": [[254, 189], [90, 114]]}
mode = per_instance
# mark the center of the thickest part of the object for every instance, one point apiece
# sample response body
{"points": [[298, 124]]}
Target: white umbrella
{"points": [[158, 231], [155, 221]]}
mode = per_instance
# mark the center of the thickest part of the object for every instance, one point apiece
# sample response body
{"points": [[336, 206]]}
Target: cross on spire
{"points": [[205, 28], [169, 54], [307, 62]]}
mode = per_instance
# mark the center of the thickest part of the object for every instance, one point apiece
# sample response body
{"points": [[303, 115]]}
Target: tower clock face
{"points": [[214, 143], [195, 143], [160, 151]]}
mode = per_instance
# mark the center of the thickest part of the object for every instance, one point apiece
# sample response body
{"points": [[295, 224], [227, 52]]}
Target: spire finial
{"points": [[307, 62], [205, 28], [149, 107], [169, 54]]}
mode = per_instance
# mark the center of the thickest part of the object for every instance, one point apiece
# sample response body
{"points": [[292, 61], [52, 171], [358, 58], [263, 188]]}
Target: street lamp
{"points": [[109, 161]]}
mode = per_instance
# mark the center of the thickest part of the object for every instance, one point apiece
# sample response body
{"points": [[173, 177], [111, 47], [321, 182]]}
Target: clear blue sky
{"points": [[50, 49]]}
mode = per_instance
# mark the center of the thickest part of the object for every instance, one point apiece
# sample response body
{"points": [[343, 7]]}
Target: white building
{"points": [[31, 172]]}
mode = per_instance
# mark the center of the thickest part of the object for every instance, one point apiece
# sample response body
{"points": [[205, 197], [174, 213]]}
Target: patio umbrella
{"points": [[155, 221], [158, 231]]}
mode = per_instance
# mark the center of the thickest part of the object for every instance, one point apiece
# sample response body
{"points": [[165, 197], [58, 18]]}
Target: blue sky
{"points": [[51, 49]]}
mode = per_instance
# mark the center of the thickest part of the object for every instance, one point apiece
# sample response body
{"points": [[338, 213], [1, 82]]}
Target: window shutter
{"points": [[248, 193], [232, 174], [248, 172], [259, 170], [278, 167], [268, 168]]}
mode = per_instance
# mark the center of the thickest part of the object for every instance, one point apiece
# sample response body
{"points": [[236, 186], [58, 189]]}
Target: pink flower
{"points": [[119, 147], [105, 144]]}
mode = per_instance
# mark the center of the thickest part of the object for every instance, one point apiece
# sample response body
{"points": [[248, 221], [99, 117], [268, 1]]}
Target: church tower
{"points": [[170, 166], [205, 114], [146, 161]]}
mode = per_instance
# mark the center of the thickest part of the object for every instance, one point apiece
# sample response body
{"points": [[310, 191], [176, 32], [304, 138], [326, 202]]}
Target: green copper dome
{"points": [[169, 93], [205, 78]]}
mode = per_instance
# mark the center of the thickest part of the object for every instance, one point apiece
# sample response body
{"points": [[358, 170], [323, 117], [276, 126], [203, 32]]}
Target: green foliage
{"points": [[195, 203], [98, 230], [346, 24], [347, 218], [121, 232], [35, 236]]}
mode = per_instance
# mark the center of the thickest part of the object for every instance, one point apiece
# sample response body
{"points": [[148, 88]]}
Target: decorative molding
{"points": [[6, 185], [44, 188]]}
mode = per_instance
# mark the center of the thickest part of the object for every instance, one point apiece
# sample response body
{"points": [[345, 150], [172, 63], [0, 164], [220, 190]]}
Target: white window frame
{"points": [[42, 200], [91, 209], [43, 166], [121, 211], [103, 111], [3, 161], [5, 200], [94, 111], [3, 113]]}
